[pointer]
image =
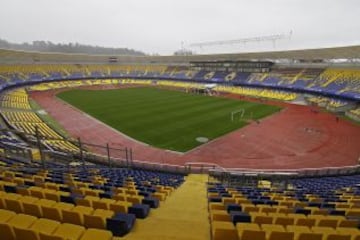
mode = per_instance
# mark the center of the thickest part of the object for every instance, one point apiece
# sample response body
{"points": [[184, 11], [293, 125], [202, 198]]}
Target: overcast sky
{"points": [[159, 26]]}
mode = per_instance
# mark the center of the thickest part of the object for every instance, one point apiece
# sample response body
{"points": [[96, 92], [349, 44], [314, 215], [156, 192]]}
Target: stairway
{"points": [[183, 215]]}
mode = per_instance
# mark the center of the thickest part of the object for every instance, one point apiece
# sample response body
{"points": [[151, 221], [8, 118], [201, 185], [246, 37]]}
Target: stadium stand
{"points": [[345, 81], [354, 113], [18, 117], [338, 82], [15, 99], [78, 200], [295, 77], [75, 199], [331, 104], [261, 93], [314, 208]]}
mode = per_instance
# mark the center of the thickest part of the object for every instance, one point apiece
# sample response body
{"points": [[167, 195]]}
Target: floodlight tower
{"points": [[266, 38]]}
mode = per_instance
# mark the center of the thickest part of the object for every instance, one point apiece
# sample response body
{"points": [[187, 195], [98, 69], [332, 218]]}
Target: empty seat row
{"points": [[253, 231], [62, 212], [284, 219], [68, 213], [21, 226]]}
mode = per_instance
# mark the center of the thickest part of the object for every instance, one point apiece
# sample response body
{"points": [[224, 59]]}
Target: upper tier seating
{"points": [[342, 82], [294, 77]]}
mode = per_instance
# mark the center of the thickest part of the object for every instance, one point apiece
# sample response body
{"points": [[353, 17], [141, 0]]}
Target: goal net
{"points": [[237, 115]]}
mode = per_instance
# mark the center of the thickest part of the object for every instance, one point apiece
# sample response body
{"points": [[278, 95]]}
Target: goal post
{"points": [[237, 114]]}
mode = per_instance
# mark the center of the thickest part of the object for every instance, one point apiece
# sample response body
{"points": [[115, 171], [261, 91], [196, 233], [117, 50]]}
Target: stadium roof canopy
{"points": [[22, 57]]}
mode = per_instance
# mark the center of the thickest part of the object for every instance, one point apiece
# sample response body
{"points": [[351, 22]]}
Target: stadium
{"points": [[260, 145]]}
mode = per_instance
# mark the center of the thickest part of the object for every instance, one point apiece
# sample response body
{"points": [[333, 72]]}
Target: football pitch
{"points": [[166, 119]]}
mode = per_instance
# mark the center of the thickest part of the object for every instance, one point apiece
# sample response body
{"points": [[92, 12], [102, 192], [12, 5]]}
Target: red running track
{"points": [[296, 137]]}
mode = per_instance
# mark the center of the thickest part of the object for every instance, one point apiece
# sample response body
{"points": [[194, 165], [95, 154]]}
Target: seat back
{"points": [[310, 236], [14, 205], [335, 236], [53, 213], [275, 235], [91, 221], [32, 209], [253, 234], [7, 232], [70, 216], [26, 233]]}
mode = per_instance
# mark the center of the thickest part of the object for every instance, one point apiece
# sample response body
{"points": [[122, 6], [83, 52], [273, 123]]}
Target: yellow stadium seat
{"points": [[310, 236], [7, 231], [135, 199], [65, 231], [55, 196], [305, 222], [277, 215], [103, 203], [223, 230], [220, 215], [159, 196], [14, 205], [348, 223], [248, 234], [299, 230], [263, 220], [120, 197], [91, 221], [216, 206], [119, 207], [323, 212], [91, 192], [46, 202], [250, 208], [328, 223], [269, 228], [285, 210], [45, 226], [266, 209], [119, 190], [22, 220], [337, 236], [354, 232], [28, 199], [225, 200], [37, 192], [285, 221], [55, 212], [249, 231], [275, 235], [18, 221], [353, 213], [23, 191], [296, 216], [33, 209], [76, 215], [6, 215], [131, 192], [97, 219], [83, 202], [323, 230]]}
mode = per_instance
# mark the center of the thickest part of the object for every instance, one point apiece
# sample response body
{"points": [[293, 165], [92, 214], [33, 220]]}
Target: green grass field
{"points": [[163, 118]]}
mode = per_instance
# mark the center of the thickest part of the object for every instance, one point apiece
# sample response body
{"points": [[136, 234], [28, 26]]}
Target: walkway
{"points": [[183, 215]]}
